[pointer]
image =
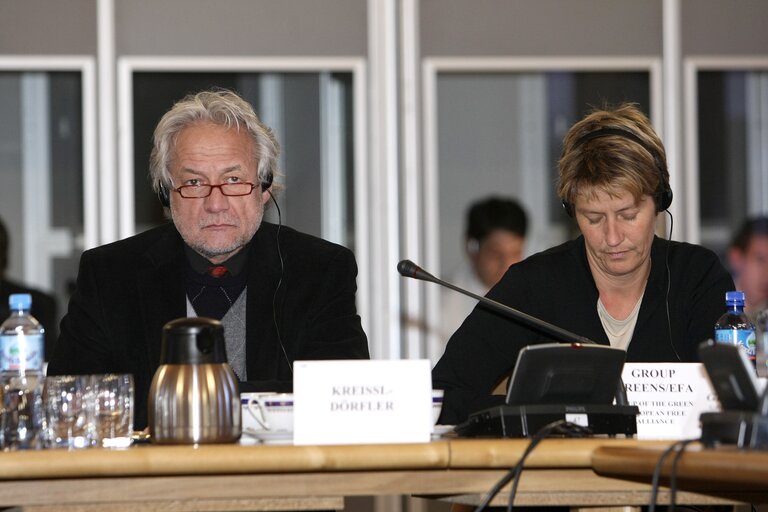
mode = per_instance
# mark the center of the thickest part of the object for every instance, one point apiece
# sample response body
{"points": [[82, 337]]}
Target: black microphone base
{"points": [[526, 420], [741, 428]]}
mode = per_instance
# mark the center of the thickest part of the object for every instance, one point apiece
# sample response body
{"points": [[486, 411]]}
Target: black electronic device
{"points": [[559, 381], [526, 420], [565, 373], [732, 376], [515, 420], [743, 420]]}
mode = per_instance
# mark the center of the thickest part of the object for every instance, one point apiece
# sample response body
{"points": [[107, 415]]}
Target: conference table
{"points": [[725, 471], [287, 477]]}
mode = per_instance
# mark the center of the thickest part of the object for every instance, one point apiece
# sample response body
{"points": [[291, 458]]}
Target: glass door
{"points": [[42, 167]]}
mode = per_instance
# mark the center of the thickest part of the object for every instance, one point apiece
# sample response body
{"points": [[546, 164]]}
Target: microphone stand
{"points": [[407, 268]]}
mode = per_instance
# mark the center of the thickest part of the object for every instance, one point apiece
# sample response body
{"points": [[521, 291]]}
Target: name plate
{"points": [[362, 402], [670, 396]]}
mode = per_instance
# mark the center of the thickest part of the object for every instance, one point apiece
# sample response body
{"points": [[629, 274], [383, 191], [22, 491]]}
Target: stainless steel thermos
{"points": [[194, 395]]}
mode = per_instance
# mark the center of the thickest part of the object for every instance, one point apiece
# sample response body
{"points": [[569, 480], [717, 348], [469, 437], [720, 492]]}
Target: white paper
{"points": [[361, 402], [670, 396]]}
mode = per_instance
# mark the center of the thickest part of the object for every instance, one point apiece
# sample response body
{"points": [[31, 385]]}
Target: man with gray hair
{"points": [[281, 295]]}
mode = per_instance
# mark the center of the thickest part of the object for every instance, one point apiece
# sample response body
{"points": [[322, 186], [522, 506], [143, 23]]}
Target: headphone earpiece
{"points": [[663, 199], [266, 182], [663, 196], [163, 195], [568, 207]]}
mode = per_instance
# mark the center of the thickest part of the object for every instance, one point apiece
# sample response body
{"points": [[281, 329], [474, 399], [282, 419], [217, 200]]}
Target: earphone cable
{"points": [[279, 282], [669, 285]]}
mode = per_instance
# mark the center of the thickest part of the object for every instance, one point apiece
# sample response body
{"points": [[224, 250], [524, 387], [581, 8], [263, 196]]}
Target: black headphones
{"points": [[663, 196], [165, 196]]}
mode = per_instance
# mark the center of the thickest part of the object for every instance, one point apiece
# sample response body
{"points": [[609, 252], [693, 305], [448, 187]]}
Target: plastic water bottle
{"points": [[761, 343], [21, 376], [734, 326]]}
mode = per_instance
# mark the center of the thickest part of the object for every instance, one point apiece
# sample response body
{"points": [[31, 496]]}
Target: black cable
{"points": [[657, 471], [566, 428], [515, 472], [279, 282], [669, 284], [518, 469], [673, 473], [657, 475]]}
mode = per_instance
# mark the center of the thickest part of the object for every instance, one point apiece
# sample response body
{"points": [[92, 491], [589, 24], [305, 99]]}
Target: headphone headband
{"points": [[663, 195], [620, 132]]}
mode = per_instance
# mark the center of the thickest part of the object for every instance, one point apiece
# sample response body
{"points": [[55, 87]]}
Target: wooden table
{"points": [[724, 472], [232, 477]]}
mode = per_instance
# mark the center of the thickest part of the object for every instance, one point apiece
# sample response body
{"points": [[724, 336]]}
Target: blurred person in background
{"points": [[43, 305], [748, 261], [494, 240]]}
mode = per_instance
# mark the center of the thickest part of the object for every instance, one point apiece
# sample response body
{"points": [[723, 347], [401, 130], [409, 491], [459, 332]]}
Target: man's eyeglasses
{"points": [[228, 189]]}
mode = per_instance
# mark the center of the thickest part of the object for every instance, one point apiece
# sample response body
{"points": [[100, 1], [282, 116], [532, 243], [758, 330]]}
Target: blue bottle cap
{"points": [[737, 296], [19, 301]]}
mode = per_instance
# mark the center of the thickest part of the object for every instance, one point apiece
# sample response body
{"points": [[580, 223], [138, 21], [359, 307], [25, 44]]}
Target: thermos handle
{"points": [[205, 344], [195, 340]]}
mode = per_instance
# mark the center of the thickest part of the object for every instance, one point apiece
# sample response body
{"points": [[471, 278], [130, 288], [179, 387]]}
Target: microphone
{"points": [[407, 268]]}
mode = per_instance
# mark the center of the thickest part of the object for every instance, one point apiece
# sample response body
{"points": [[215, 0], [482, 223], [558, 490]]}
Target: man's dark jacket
{"points": [[127, 290]]}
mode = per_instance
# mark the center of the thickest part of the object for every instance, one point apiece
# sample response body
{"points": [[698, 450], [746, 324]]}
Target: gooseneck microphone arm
{"points": [[407, 268]]}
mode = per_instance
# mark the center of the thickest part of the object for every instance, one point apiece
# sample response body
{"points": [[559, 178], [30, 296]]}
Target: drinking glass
{"points": [[69, 410], [113, 397]]}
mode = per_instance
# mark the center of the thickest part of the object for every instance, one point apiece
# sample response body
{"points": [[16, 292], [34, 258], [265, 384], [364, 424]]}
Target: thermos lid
{"points": [[196, 340]]}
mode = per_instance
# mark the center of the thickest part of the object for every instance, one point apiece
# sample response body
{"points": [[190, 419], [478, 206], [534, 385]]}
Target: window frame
{"points": [[692, 66], [432, 67], [86, 66]]}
